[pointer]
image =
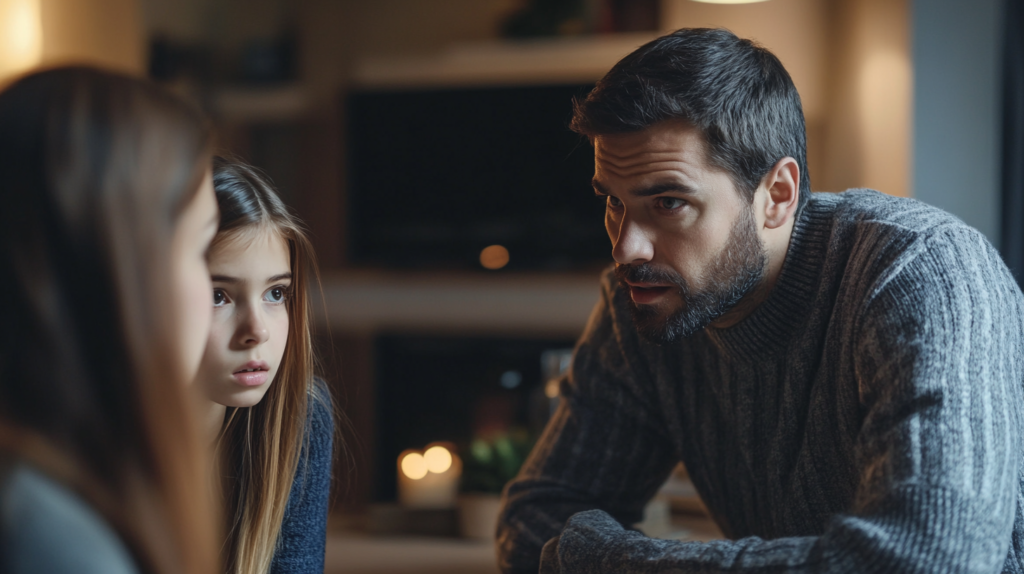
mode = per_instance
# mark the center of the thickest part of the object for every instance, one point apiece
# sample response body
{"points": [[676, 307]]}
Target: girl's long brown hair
{"points": [[96, 169], [261, 445]]}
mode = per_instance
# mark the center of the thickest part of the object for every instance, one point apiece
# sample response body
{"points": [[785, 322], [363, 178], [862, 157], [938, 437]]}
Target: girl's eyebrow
{"points": [[229, 279]]}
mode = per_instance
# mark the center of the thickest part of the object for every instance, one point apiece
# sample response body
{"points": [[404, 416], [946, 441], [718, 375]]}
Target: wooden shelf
{"points": [[541, 61], [466, 303]]}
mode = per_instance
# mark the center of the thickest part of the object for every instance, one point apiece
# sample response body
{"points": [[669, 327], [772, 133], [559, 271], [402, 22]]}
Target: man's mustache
{"points": [[647, 273]]}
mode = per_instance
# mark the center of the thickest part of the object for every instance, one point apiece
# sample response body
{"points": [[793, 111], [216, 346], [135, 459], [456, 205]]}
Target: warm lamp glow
{"points": [[437, 459], [551, 389], [730, 1], [494, 257], [21, 35], [414, 465]]}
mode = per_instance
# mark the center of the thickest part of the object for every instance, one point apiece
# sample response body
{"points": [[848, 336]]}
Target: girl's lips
{"points": [[252, 374], [251, 378], [644, 295]]}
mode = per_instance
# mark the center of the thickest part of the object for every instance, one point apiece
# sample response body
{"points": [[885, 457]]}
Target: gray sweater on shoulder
{"points": [[867, 417]]}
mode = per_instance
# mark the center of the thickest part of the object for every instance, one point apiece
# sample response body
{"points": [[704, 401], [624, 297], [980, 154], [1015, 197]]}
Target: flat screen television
{"points": [[437, 175]]}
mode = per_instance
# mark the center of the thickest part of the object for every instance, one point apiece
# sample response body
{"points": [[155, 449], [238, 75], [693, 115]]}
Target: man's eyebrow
{"points": [[648, 191], [660, 188]]}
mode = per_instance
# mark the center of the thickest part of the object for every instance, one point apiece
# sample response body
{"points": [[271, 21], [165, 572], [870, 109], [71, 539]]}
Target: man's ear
{"points": [[783, 186]]}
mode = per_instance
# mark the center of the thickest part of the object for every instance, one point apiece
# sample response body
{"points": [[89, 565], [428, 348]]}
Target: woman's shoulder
{"points": [[44, 527]]}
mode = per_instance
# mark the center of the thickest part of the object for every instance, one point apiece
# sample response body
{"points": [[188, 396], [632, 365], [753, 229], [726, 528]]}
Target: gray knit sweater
{"points": [[867, 417]]}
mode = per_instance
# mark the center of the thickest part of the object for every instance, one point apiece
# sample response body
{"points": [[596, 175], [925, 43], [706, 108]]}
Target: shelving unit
{"points": [[550, 60]]}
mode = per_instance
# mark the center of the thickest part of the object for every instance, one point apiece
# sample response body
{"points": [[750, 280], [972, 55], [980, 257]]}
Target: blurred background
{"points": [[425, 144]]}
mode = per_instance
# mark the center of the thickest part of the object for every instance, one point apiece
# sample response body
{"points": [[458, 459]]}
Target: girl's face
{"points": [[196, 228], [251, 275]]}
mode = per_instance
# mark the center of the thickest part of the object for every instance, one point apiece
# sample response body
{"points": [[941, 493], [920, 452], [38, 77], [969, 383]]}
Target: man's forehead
{"points": [[669, 136], [665, 146]]}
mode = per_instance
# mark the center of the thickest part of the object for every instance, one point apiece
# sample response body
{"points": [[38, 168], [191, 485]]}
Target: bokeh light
{"points": [[414, 465], [437, 459], [494, 257]]}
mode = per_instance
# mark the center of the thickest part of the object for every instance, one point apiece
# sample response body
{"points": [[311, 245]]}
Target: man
{"points": [[841, 373]]}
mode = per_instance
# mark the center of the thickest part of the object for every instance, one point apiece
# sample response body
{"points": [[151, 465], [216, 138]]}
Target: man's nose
{"points": [[631, 245]]}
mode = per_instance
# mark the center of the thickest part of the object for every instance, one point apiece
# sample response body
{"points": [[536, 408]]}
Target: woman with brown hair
{"points": [[273, 419], [108, 212]]}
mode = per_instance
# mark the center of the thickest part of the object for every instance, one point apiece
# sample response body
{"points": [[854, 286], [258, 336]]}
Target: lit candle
{"points": [[429, 479]]}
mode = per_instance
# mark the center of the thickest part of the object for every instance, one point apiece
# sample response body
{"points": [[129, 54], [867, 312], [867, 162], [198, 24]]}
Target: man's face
{"points": [[685, 242]]}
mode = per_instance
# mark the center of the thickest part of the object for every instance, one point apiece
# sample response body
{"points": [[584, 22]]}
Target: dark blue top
{"points": [[303, 538], [45, 528]]}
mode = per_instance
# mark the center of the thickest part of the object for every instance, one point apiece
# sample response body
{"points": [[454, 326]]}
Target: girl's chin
{"points": [[245, 398]]}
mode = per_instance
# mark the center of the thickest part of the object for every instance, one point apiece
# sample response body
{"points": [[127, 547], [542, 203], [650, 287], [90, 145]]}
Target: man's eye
{"points": [[219, 298], [614, 202], [671, 203]]}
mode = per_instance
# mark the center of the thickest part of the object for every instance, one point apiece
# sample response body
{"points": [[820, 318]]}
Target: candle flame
{"points": [[414, 465], [437, 459]]}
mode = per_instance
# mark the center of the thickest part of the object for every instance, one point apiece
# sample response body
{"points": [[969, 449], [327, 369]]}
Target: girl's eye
{"points": [[276, 295], [670, 203], [219, 298]]}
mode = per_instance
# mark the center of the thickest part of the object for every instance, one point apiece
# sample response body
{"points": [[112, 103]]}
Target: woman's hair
{"points": [[97, 168], [261, 444]]}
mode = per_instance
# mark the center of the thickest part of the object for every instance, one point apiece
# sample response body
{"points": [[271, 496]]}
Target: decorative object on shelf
{"points": [[490, 464], [539, 18], [429, 479], [550, 18]]}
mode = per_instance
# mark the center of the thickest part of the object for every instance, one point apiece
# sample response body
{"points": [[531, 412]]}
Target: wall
{"points": [[956, 109], [21, 36], [850, 61], [106, 33], [868, 139]]}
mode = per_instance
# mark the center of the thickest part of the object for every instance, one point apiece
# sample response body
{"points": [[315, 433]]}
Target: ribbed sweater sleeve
{"points": [[918, 373], [302, 542], [602, 449]]}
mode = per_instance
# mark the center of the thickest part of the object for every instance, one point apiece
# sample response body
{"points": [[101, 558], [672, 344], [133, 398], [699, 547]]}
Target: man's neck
{"points": [[776, 243]]}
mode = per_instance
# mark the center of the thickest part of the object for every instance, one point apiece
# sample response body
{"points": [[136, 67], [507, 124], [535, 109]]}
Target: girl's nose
{"points": [[254, 330]]}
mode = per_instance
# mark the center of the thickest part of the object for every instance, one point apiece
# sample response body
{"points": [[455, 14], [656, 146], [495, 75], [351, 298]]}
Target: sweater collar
{"points": [[790, 301]]}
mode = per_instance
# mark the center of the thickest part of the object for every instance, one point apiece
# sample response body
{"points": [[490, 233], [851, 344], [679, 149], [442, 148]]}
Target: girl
{"points": [[108, 211], [272, 417]]}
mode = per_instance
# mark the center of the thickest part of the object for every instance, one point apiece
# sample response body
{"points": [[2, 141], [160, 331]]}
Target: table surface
{"points": [[350, 552]]}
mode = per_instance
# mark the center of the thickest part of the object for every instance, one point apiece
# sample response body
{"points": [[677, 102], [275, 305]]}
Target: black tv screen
{"points": [[438, 175]]}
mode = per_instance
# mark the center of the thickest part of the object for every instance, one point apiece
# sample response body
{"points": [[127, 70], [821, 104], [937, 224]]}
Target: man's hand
{"points": [[586, 531]]}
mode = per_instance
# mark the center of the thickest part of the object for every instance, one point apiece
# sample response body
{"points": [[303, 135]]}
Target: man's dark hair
{"points": [[735, 92]]}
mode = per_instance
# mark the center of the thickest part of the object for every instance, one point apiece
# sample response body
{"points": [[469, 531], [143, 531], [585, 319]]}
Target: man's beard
{"points": [[737, 271]]}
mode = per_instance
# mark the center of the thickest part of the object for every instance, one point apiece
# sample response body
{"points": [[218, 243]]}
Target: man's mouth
{"points": [[646, 294]]}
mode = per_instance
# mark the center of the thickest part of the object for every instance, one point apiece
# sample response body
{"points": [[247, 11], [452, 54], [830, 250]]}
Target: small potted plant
{"points": [[490, 463]]}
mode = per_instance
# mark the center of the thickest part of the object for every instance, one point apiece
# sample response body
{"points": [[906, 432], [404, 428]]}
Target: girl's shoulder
{"points": [[321, 410]]}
